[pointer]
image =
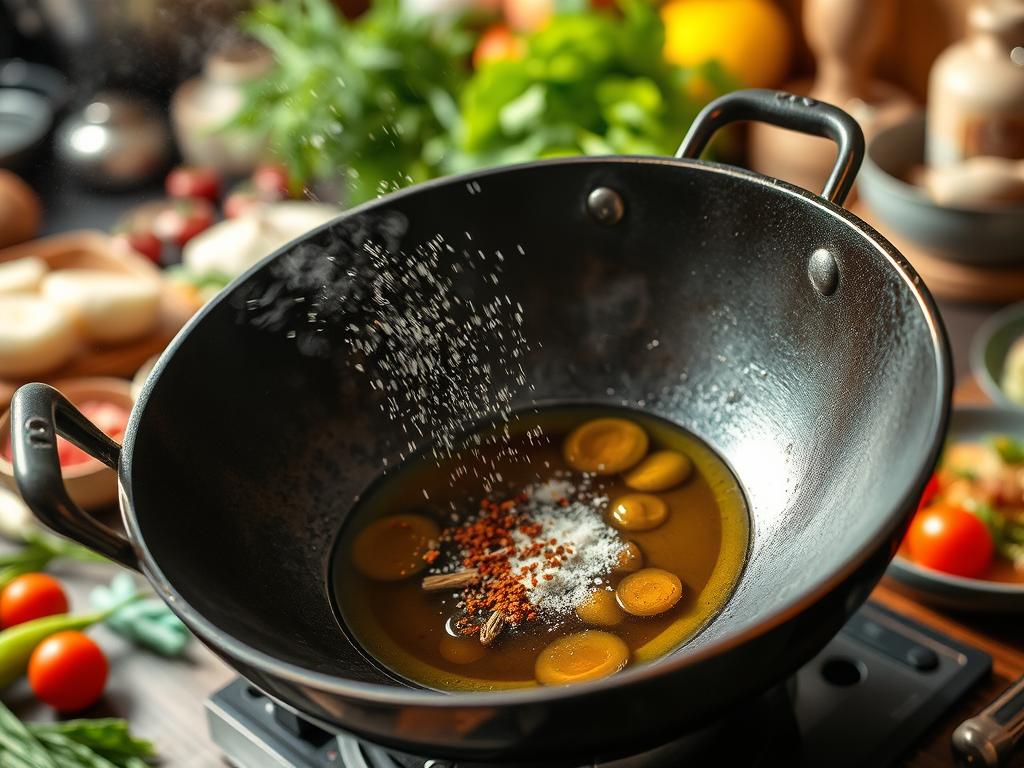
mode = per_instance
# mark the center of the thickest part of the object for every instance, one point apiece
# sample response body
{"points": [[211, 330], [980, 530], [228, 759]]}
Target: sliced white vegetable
{"points": [[21, 275], [36, 335], [234, 245], [108, 307], [16, 519]]}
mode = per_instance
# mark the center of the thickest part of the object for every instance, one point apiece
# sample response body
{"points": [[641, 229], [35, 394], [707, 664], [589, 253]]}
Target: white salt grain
{"points": [[579, 527]]}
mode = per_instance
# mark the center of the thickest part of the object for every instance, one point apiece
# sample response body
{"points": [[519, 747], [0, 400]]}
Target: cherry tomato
{"points": [[950, 539], [146, 243], [497, 43], [187, 181], [31, 596], [241, 199], [67, 671], [186, 218], [528, 15], [271, 182]]}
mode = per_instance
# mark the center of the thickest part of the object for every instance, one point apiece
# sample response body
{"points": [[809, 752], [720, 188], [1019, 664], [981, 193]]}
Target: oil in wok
{"points": [[563, 546]]}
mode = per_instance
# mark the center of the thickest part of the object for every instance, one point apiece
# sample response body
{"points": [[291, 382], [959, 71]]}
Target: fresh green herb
{"points": [[18, 642], [1009, 449], [589, 83], [101, 743], [40, 551], [1007, 535], [966, 474], [148, 623], [108, 738], [374, 98], [994, 521]]}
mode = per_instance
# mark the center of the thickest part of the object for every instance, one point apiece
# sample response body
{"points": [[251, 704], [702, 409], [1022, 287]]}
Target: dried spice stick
{"points": [[455, 580], [492, 628]]}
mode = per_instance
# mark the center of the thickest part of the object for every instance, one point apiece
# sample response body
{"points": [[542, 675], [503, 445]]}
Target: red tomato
{"points": [[186, 181], [950, 539], [31, 596], [146, 243], [497, 43], [241, 199], [183, 220], [271, 182], [67, 671], [528, 15]]}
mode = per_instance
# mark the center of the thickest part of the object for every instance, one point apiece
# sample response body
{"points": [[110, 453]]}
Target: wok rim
{"points": [[233, 648]]}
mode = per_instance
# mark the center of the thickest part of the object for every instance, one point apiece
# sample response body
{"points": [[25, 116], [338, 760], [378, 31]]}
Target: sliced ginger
{"points": [[461, 650], [600, 609], [605, 446], [638, 512], [660, 471], [648, 592], [588, 655], [630, 559], [392, 548]]}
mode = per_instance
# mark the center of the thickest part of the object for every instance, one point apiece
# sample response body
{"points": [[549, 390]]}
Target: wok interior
{"points": [[697, 307]]}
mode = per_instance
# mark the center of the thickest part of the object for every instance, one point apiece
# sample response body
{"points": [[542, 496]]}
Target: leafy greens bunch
{"points": [[373, 98], [588, 83], [389, 100]]}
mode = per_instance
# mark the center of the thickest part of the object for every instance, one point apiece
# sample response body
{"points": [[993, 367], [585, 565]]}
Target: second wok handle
{"points": [[991, 737], [786, 110], [39, 413]]}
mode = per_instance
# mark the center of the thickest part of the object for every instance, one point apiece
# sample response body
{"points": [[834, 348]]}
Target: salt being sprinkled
{"points": [[426, 327], [537, 555], [576, 526]]}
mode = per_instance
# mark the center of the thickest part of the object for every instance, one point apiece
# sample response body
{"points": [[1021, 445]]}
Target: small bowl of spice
{"points": [[107, 403]]}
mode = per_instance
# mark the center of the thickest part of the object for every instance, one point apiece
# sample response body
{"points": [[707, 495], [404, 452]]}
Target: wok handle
{"points": [[786, 110], [38, 414], [991, 737]]}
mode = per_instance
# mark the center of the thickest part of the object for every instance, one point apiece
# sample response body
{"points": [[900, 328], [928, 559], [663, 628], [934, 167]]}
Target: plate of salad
{"points": [[965, 545]]}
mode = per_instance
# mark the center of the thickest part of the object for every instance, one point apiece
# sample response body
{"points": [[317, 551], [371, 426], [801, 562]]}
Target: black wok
{"points": [[790, 336]]}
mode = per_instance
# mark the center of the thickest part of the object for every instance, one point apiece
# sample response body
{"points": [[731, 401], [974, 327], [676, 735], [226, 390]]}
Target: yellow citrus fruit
{"points": [[751, 39]]}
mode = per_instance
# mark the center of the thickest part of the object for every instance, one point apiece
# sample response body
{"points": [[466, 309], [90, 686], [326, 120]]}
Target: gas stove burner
{"points": [[864, 700]]}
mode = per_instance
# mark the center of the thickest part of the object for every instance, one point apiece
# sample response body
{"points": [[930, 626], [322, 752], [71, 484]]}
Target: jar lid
{"points": [[238, 61], [1002, 18]]}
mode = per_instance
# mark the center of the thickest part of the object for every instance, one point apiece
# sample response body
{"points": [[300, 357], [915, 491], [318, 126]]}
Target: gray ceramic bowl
{"points": [[985, 237], [989, 348], [955, 592]]}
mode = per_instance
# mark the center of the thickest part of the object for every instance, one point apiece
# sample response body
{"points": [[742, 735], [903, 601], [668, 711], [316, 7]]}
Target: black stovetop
{"points": [[863, 701]]}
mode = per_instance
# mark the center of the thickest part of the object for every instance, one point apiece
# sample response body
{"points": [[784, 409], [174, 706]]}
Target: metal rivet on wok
{"points": [[823, 272], [606, 206]]}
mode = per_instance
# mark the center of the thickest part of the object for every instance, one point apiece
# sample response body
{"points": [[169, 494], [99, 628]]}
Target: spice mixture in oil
{"points": [[563, 546]]}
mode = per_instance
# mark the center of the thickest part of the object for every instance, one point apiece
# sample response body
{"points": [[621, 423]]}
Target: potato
{"points": [[108, 307], [36, 336]]}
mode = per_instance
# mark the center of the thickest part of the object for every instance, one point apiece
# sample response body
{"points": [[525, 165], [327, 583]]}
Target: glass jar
{"points": [[976, 88]]}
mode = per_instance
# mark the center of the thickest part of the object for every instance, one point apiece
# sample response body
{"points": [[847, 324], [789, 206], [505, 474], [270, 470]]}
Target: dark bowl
{"points": [[982, 237], [989, 348], [956, 592], [25, 121]]}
